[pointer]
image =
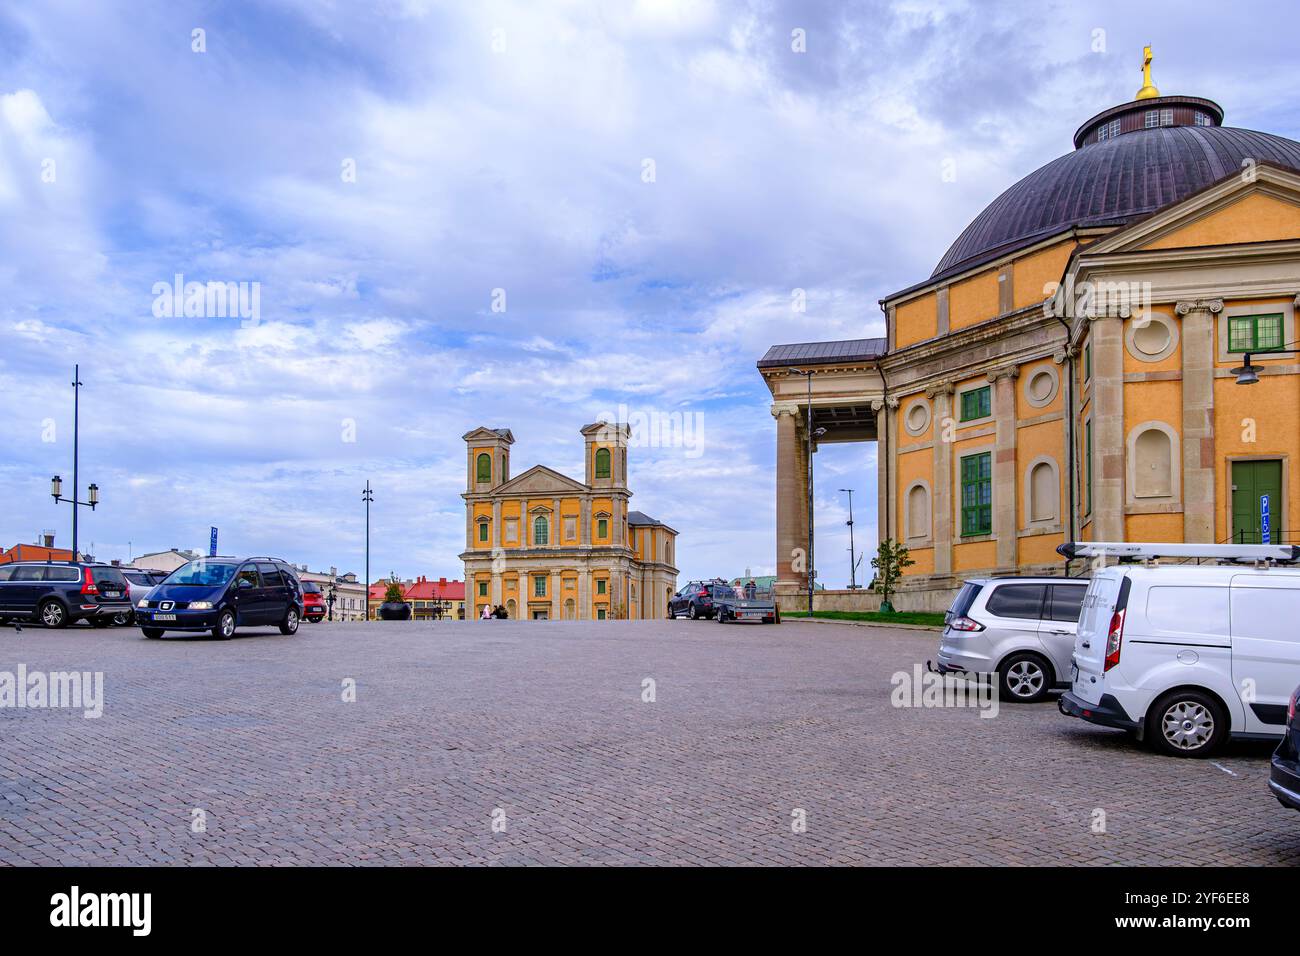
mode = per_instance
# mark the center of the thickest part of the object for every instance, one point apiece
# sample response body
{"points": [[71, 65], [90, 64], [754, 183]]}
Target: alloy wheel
{"points": [[52, 615], [1025, 678]]}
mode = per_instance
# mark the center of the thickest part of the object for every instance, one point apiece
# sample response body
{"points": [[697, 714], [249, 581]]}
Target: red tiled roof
{"points": [[34, 552], [441, 590]]}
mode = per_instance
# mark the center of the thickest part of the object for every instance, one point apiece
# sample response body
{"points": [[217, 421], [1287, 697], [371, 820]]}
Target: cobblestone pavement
{"points": [[545, 722]]}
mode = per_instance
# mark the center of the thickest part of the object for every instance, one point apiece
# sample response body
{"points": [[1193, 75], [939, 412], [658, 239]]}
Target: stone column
{"points": [[497, 534], [1198, 320], [941, 396], [1107, 334], [584, 522], [882, 464], [788, 487], [557, 603], [1004, 465]]}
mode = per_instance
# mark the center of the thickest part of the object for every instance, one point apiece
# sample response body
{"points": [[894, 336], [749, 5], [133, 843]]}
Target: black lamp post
{"points": [[56, 483], [330, 595], [368, 496], [853, 553]]}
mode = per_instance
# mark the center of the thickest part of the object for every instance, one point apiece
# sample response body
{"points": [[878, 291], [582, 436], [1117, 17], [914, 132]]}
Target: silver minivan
{"points": [[1022, 629]]}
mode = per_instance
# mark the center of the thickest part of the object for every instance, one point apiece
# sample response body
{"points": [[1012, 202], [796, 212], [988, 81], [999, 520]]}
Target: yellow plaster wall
{"points": [[1256, 217], [916, 320]]}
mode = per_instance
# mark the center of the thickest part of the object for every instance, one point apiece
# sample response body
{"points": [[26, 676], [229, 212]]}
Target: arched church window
{"points": [[483, 468], [602, 462], [541, 530]]}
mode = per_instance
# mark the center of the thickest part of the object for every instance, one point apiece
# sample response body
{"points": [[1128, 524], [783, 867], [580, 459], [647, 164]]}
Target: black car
{"points": [[695, 600], [57, 593], [1284, 778], [219, 594]]}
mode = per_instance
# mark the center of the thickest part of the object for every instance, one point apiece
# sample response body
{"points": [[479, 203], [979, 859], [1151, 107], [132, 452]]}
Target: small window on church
{"points": [[602, 462], [483, 468], [602, 528], [1151, 119], [541, 531], [482, 530]]}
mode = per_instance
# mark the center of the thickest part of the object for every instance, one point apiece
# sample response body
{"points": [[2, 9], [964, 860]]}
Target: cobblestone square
{"points": [[542, 727]]}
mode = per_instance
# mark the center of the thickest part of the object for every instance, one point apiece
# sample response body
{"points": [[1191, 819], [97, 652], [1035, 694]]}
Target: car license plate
{"points": [[164, 617], [112, 594]]}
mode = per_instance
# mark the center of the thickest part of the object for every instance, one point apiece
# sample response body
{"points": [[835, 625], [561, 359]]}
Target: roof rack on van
{"points": [[1134, 551]]}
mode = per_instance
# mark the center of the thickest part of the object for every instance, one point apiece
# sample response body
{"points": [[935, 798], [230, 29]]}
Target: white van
{"points": [[1185, 656]]}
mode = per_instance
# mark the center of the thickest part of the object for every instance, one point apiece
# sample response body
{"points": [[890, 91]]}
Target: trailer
{"points": [[745, 602]]}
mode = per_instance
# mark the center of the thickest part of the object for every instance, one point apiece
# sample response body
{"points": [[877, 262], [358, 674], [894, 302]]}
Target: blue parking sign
{"points": [[212, 544], [1264, 535]]}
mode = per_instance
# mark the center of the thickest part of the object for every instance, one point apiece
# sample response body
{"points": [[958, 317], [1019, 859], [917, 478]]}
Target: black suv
{"points": [[56, 593], [219, 594], [695, 600]]}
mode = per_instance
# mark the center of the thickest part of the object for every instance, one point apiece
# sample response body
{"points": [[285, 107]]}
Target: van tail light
{"points": [[88, 585], [1114, 639], [965, 624], [1290, 711]]}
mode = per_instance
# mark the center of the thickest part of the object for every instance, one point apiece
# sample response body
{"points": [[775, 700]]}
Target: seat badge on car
{"points": [[166, 605]]}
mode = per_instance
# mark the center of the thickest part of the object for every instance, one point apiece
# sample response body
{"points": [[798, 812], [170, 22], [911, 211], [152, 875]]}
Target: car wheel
{"points": [[151, 632], [1025, 678], [694, 615], [224, 629], [123, 619], [720, 618], [53, 614], [1187, 723], [290, 625]]}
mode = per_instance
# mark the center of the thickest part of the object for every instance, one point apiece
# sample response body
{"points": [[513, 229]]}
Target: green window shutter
{"points": [[541, 531], [483, 467], [600, 586], [1268, 332], [482, 530], [1240, 334], [1255, 333], [602, 527], [976, 403], [977, 494], [602, 462], [1087, 361], [482, 589]]}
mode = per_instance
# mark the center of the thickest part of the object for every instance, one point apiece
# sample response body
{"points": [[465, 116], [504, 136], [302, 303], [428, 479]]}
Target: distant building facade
{"points": [[165, 561], [349, 592], [543, 545]]}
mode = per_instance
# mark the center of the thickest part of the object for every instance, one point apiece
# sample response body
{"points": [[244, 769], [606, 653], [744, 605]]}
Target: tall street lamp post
{"points": [[56, 483], [853, 554], [368, 496], [811, 434]]}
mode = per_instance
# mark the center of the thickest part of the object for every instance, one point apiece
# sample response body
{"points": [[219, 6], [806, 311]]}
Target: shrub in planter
{"points": [[394, 607]]}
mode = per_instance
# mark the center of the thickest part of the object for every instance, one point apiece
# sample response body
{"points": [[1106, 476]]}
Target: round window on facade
{"points": [[917, 417], [1151, 337], [1041, 386]]}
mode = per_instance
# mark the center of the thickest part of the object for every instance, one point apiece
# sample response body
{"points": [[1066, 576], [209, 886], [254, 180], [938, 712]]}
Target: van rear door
{"points": [[1265, 623], [1090, 639]]}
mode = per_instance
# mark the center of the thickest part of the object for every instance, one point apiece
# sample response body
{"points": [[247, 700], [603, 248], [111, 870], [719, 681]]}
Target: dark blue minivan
{"points": [[220, 594]]}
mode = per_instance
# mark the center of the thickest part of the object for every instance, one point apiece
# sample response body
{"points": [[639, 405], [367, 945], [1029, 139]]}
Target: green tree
{"points": [[890, 560], [394, 594]]}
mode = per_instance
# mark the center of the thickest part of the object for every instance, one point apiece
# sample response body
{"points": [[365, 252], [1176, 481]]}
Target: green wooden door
{"points": [[1250, 481]]}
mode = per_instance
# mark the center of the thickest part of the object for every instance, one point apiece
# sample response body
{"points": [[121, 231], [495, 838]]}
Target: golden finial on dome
{"points": [[1148, 90]]}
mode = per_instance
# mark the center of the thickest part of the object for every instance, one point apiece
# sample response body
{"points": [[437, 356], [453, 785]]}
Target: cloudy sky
{"points": [[645, 183]]}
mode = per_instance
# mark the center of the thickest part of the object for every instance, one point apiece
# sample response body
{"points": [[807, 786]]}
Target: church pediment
{"points": [[540, 480], [1258, 204]]}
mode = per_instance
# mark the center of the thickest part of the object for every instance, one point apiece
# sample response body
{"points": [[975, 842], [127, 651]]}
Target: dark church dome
{"points": [[1129, 161]]}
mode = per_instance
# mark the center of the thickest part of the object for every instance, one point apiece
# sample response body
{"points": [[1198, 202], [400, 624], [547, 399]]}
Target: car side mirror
{"points": [[244, 583]]}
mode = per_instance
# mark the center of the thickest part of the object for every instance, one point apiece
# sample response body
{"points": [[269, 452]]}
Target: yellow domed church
{"points": [[1105, 353]]}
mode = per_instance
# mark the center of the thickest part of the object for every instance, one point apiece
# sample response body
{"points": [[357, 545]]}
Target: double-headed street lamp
{"points": [[368, 496], [56, 483], [853, 554]]}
